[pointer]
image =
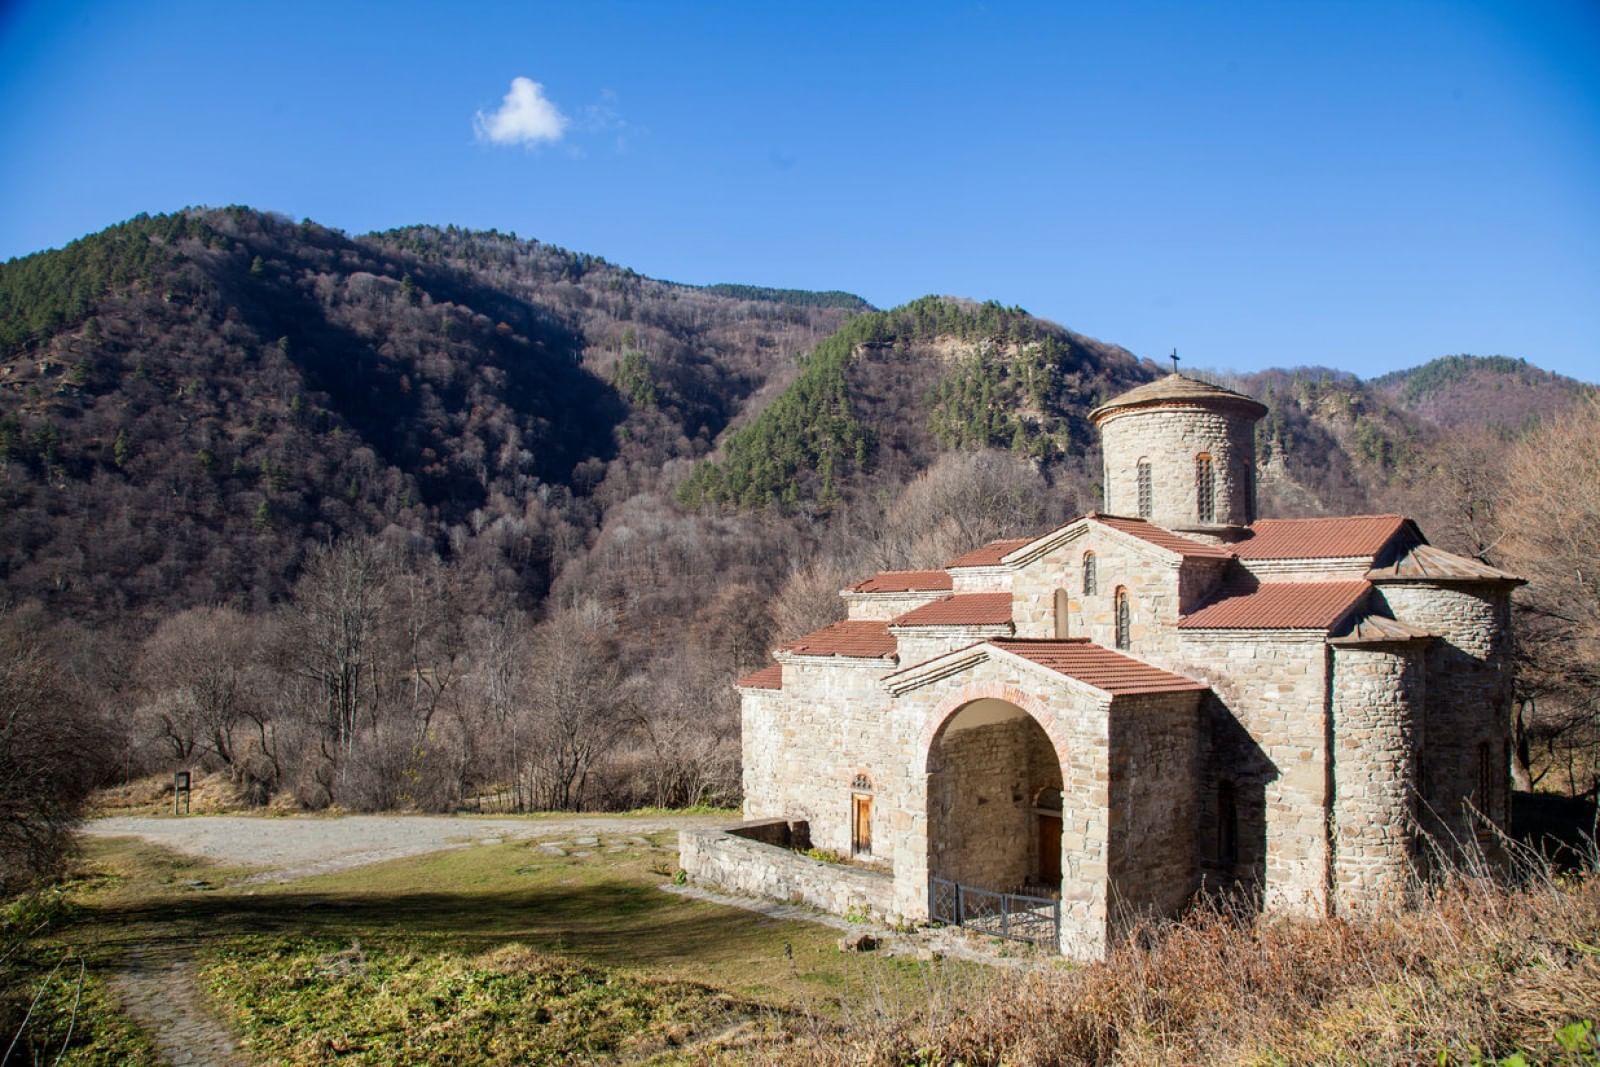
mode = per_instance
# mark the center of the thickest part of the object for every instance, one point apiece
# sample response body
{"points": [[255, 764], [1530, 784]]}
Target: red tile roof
{"points": [[991, 554], [1163, 538], [963, 609], [858, 638], [904, 582], [1279, 606], [1354, 535], [769, 677], [1096, 665]]}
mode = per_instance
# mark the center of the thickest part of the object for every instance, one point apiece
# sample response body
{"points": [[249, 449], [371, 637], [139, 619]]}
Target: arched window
{"points": [[862, 783], [1090, 583], [1123, 618], [1227, 825], [1205, 488], [1061, 614], [1144, 488]]}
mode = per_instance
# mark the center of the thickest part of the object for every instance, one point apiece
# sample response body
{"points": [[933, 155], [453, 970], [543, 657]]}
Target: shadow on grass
{"points": [[617, 923]]}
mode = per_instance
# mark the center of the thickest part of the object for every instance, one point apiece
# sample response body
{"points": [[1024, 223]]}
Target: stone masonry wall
{"points": [[829, 724], [1267, 730], [885, 606], [1152, 584], [1170, 437], [1378, 709], [1468, 703], [728, 861], [1155, 772]]}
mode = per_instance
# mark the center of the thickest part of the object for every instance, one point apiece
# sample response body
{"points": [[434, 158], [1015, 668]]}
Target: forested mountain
{"points": [[187, 401], [1493, 391]]}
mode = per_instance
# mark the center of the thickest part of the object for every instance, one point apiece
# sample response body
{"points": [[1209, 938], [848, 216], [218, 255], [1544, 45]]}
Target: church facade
{"points": [[1167, 697]]}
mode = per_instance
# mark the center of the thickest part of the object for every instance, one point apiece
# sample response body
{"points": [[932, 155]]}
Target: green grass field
{"points": [[492, 954]]}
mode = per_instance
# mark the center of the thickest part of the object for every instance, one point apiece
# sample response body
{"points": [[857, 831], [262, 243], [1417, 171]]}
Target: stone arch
{"points": [[1009, 694], [990, 757]]}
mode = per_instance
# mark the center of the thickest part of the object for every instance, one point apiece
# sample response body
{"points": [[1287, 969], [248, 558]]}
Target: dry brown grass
{"points": [[1478, 971]]}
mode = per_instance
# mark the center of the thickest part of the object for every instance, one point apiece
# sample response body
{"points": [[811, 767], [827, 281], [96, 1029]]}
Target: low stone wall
{"points": [[737, 859]]}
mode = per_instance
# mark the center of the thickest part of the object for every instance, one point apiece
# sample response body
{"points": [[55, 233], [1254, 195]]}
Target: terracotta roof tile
{"points": [[991, 554], [1424, 563], [963, 609], [1378, 630], [769, 677], [1096, 665], [1163, 538], [1278, 606], [1177, 388], [904, 582], [857, 638], [1353, 535]]}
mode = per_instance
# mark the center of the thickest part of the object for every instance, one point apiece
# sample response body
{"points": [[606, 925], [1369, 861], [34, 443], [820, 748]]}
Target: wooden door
{"points": [[861, 824], [1049, 848]]}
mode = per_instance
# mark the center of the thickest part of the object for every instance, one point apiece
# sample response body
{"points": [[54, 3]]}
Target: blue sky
{"points": [[1361, 185]]}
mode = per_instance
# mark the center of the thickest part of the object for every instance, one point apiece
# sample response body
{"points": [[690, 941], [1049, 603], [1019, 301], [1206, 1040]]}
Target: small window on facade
{"points": [[1061, 614], [862, 783], [1123, 618], [1090, 585], [1205, 488], [1144, 488], [1227, 825]]}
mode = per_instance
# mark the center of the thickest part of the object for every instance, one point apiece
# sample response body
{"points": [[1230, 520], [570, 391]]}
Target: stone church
{"points": [[1069, 731]]}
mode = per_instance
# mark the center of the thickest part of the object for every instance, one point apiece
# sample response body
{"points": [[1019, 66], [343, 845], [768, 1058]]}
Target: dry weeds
{"points": [[1480, 970]]}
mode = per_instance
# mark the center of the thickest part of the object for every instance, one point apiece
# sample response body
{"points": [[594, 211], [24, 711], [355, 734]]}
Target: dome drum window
{"points": [[1205, 488], [1143, 476]]}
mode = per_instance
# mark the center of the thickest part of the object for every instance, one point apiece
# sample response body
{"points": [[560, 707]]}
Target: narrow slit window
{"points": [[1144, 488], [1123, 618], [1227, 825], [1205, 488], [1062, 608], [1090, 584]]}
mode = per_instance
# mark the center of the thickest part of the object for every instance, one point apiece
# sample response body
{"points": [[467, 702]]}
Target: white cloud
{"points": [[526, 116]]}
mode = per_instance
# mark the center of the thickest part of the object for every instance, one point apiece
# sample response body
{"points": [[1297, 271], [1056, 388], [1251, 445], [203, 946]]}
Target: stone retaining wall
{"points": [[734, 860]]}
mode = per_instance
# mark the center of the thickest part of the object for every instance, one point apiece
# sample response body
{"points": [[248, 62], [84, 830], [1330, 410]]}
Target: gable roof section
{"points": [[852, 638], [768, 677], [991, 554], [904, 582], [1147, 532], [1425, 563], [1163, 538], [963, 609], [1279, 606], [1331, 538], [1098, 666]]}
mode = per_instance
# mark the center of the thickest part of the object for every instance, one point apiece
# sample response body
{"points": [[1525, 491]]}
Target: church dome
{"points": [[1178, 389]]}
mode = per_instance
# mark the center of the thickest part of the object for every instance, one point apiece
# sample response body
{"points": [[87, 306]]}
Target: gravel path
{"points": [[298, 847]]}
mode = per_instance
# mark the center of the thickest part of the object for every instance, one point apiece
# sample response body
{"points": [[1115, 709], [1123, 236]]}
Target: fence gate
{"points": [[1036, 920]]}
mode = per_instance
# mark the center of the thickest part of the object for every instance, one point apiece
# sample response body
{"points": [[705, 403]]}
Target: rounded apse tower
{"points": [[1181, 453]]}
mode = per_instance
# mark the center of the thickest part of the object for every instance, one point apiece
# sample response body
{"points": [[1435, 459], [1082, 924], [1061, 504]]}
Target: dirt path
{"points": [[158, 989], [298, 847]]}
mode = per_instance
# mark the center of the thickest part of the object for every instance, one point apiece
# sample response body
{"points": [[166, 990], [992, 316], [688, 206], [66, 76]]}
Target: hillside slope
{"points": [[188, 401]]}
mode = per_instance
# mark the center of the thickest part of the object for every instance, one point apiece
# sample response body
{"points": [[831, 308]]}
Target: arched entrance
{"points": [[994, 801]]}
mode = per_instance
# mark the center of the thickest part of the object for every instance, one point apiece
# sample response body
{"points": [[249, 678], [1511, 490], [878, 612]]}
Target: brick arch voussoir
{"points": [[1028, 702]]}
